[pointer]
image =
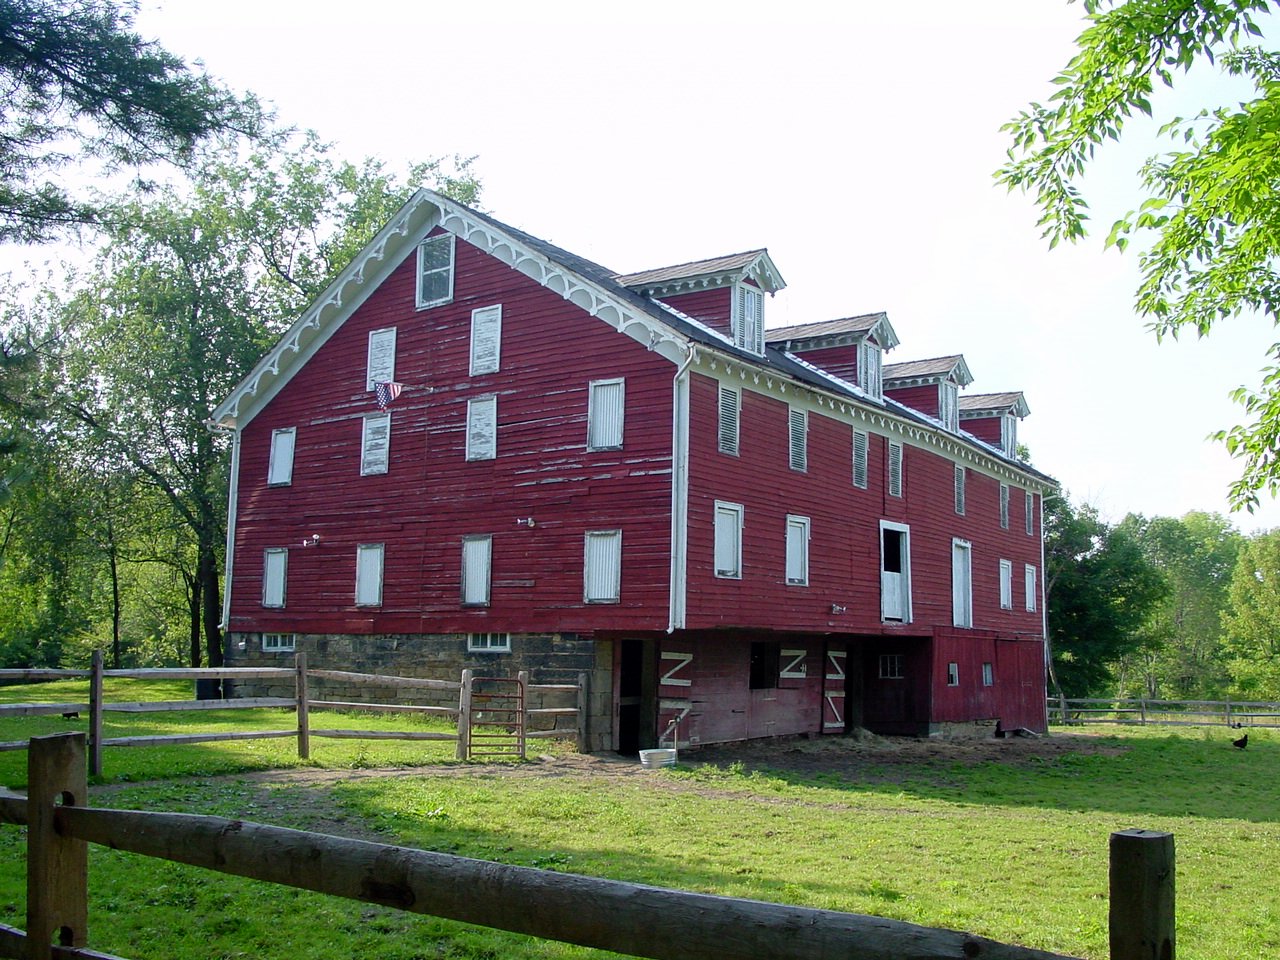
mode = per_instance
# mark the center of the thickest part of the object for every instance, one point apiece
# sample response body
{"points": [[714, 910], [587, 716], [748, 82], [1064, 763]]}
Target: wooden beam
{"points": [[196, 738], [236, 703], [383, 735], [374, 679], [95, 714], [380, 707], [1142, 895], [57, 864], [304, 716], [41, 709], [464, 716]]}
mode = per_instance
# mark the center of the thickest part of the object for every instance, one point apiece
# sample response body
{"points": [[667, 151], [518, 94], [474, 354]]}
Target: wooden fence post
{"points": [[1142, 895], [522, 680], [95, 715], [464, 716], [584, 702], [57, 865], [304, 716]]}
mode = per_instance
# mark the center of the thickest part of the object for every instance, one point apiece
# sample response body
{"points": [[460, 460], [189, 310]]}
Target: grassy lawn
{"points": [[1008, 842]]}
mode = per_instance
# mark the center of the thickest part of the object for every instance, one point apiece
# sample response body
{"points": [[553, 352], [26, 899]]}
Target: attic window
{"points": [[869, 369], [748, 318], [1009, 435], [435, 271], [949, 405]]}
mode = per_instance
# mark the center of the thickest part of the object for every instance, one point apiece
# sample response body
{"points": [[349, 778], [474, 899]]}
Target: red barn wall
{"points": [[986, 429], [431, 496], [924, 399], [712, 307], [841, 361]]}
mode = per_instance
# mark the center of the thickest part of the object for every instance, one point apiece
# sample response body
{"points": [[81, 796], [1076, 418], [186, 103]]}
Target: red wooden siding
{"points": [[712, 307], [924, 399], [842, 361], [986, 429], [431, 496]]}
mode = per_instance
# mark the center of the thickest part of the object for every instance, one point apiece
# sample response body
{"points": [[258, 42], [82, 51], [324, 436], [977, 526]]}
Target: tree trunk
{"points": [[208, 573], [193, 608], [114, 560]]}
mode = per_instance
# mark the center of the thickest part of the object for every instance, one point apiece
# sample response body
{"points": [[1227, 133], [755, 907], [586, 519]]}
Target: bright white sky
{"points": [[855, 140]]}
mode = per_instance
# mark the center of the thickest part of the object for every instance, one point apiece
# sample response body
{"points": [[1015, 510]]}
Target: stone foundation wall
{"points": [[549, 658]]}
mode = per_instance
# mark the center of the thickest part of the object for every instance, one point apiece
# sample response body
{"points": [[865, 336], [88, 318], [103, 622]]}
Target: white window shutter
{"points": [[895, 469], [477, 558], [960, 481], [375, 444], [1004, 506], [728, 540], [961, 584], [275, 566], [369, 575], [860, 459], [605, 405], [1030, 512], [730, 407], [1032, 589], [486, 339], [1009, 435], [381, 365], [280, 466], [602, 566], [482, 428], [798, 423], [797, 550], [1006, 584]]}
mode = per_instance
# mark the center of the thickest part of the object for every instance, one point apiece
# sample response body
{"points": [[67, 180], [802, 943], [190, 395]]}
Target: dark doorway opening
{"points": [[637, 695]]}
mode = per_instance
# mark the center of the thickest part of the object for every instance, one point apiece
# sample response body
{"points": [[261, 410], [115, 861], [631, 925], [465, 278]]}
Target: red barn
{"points": [[478, 449]]}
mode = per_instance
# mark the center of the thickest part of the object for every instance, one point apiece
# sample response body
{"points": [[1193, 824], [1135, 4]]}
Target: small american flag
{"points": [[386, 391]]}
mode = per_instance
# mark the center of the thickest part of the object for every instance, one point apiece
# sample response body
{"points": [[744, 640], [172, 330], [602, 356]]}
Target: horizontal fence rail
{"points": [[1141, 710], [302, 703], [627, 918]]}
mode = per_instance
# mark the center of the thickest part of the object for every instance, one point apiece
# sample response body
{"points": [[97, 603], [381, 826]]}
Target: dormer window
{"points": [[869, 369], [748, 318], [1009, 435], [435, 271], [949, 405]]}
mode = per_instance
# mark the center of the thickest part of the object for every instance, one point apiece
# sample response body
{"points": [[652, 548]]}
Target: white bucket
{"points": [[653, 759]]}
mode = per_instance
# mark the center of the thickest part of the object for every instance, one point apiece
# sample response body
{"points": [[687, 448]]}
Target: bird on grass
{"points": [[1241, 743]]}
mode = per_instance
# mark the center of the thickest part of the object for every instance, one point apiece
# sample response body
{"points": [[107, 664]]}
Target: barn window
{"points": [[278, 642], [960, 478], [605, 404], [1009, 435], [798, 550], [870, 376], [727, 431], [988, 675], [369, 575], [748, 319], [435, 271], [891, 666], [1032, 590], [280, 465], [486, 339], [949, 405], [961, 583], [1004, 506], [765, 665], [728, 550], [895, 572], [482, 428], [1030, 514], [895, 469], [797, 431], [953, 674], [860, 459], [477, 554], [488, 643], [602, 566], [275, 566], [1006, 584], [375, 444], [381, 364]]}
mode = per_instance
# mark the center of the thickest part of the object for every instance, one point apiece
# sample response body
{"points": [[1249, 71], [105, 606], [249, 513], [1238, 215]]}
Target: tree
{"points": [[1212, 212], [1099, 588], [79, 85], [1251, 628]]}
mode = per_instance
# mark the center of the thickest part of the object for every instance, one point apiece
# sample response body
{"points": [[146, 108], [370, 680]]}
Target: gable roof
{"points": [[834, 333], [754, 265], [929, 371], [976, 405]]}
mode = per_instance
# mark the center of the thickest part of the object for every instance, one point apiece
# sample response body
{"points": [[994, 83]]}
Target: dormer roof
{"points": [[754, 265], [919, 372], [993, 405], [835, 333]]}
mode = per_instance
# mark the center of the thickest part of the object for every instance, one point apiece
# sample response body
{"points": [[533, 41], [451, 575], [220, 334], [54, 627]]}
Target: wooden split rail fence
{"points": [[1139, 710], [631, 919], [489, 722]]}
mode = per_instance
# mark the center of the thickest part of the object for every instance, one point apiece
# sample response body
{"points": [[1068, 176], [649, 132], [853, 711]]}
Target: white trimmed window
{"points": [[380, 366], [728, 553], [961, 583], [895, 572], [748, 318], [959, 491], [482, 428], [605, 405], [860, 459], [798, 550], [953, 674], [895, 469], [1004, 506], [275, 568], [375, 444], [798, 435], [1031, 513], [278, 642], [602, 566], [988, 675], [891, 666], [870, 374], [280, 466], [369, 574], [488, 643], [949, 405], [477, 556], [1009, 435], [1006, 584], [1033, 591], [729, 414], [486, 339], [435, 271]]}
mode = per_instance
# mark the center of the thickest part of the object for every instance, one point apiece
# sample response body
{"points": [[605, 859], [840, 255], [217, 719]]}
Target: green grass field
{"points": [[1009, 843]]}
